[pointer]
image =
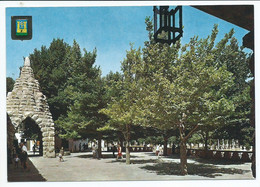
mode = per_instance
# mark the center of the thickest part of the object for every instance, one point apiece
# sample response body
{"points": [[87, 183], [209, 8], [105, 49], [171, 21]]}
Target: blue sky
{"points": [[109, 29]]}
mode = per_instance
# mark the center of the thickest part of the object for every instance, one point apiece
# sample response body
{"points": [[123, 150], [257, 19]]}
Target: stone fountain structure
{"points": [[27, 101]]}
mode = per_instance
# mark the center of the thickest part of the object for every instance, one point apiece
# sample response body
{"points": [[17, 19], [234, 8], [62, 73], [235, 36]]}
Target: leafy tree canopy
{"points": [[9, 84]]}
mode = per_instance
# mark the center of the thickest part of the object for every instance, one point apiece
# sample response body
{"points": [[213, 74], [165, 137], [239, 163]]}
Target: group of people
{"points": [[21, 156], [118, 149], [114, 149], [159, 150]]}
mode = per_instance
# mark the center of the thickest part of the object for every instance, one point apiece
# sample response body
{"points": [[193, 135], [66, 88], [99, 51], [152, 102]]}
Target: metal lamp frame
{"points": [[167, 24]]}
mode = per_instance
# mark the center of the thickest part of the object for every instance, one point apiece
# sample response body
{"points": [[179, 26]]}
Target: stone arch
{"points": [[26, 100], [29, 127]]}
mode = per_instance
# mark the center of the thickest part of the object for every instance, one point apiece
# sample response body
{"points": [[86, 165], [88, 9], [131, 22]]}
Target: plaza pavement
{"points": [[144, 167]]}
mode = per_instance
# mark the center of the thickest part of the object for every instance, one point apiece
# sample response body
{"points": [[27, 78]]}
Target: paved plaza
{"points": [[144, 166]]}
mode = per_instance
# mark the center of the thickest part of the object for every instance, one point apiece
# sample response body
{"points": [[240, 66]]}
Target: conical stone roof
{"points": [[26, 100]]}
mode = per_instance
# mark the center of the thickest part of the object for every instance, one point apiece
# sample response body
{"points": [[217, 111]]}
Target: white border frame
{"points": [[201, 183]]}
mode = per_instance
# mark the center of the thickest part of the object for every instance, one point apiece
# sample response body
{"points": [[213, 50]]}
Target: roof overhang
{"points": [[240, 15]]}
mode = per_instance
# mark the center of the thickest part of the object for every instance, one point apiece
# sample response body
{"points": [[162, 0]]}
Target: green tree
{"points": [[114, 90], [185, 89], [73, 87], [86, 91], [9, 84], [52, 69], [228, 53], [122, 110], [239, 122], [189, 100]]}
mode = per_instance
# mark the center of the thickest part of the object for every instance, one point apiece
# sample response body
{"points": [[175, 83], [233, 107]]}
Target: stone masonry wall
{"points": [[26, 100]]}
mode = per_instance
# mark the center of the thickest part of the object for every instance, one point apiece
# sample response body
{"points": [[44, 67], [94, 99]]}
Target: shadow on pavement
{"points": [[91, 156], [175, 156], [135, 161], [144, 161], [149, 154], [204, 170], [203, 160], [34, 155], [21, 175], [216, 162], [104, 156]]}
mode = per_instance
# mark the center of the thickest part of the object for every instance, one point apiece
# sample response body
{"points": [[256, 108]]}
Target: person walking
{"points": [[24, 156], [34, 148], [19, 153], [97, 152], [114, 150], [16, 161], [79, 146], [173, 149], [94, 150], [61, 154], [160, 152], [157, 150], [119, 152], [84, 146]]}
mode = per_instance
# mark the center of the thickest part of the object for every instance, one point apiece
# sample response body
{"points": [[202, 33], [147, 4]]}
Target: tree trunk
{"points": [[183, 157], [183, 153], [229, 144], [99, 145], [165, 145], [127, 152], [183, 148], [127, 144], [206, 144], [206, 141]]}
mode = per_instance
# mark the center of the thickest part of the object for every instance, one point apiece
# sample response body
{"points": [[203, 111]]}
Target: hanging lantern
{"points": [[170, 29]]}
